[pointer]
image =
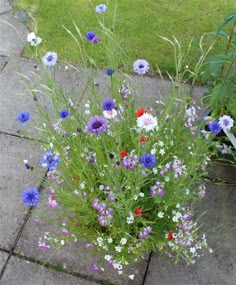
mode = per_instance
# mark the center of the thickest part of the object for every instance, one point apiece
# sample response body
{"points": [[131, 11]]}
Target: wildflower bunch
{"points": [[125, 179]]}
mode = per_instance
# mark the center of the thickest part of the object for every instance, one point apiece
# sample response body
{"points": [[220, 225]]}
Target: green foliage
{"points": [[219, 69]]}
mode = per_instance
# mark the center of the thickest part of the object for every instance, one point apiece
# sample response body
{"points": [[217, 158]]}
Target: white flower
{"points": [[153, 151], [226, 122], [141, 194], [147, 122], [131, 276], [110, 114], [123, 241], [161, 143], [62, 242], [130, 219], [31, 37], [135, 197], [160, 215], [162, 151], [192, 249], [120, 272], [108, 257], [82, 185], [109, 240], [118, 248]]}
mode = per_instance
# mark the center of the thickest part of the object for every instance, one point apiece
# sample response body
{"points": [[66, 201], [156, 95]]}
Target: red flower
{"points": [[138, 212], [144, 139], [170, 235], [123, 153], [140, 112], [53, 197]]}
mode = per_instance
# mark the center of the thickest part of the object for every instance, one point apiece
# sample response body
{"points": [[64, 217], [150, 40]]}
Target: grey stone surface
{"points": [[14, 178], [73, 255], [12, 35], [3, 258], [218, 268], [3, 61], [73, 84], [5, 6], [22, 272], [223, 171]]}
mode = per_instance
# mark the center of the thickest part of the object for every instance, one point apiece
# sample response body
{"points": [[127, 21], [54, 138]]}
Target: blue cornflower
{"points": [[64, 113], [23, 117], [214, 127], [110, 71], [50, 58], [90, 35], [102, 8], [141, 66], [49, 159], [30, 196], [148, 160], [108, 104]]}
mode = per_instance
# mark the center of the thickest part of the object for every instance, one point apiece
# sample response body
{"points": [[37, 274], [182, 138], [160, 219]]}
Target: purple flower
{"points": [[90, 35], [148, 160], [23, 117], [130, 161], [95, 40], [97, 125], [214, 127], [94, 267], [50, 58], [64, 113], [49, 160], [110, 71], [141, 66], [108, 104], [101, 8], [30, 197]]}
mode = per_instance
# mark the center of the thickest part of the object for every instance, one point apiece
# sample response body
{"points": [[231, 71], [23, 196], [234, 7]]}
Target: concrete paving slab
{"points": [[12, 90], [12, 35], [218, 268], [223, 171], [5, 6], [3, 61], [3, 258], [72, 256], [14, 178], [22, 272]]}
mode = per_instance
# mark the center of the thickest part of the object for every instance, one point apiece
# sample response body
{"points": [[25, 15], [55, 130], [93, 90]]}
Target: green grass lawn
{"points": [[138, 24]]}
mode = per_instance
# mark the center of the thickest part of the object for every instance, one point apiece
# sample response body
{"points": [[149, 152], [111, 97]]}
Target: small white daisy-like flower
{"points": [[123, 241], [160, 215], [162, 151], [147, 122], [118, 248], [192, 249], [226, 122], [141, 66], [161, 143], [135, 197], [108, 257], [141, 194]]}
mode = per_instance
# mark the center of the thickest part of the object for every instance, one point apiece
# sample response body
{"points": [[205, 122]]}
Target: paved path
{"points": [[20, 259]]}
